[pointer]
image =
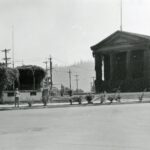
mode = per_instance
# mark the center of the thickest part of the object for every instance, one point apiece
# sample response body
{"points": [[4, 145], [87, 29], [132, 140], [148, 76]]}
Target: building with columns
{"points": [[122, 61]]}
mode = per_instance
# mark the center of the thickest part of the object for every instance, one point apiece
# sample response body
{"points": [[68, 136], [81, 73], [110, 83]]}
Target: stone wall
{"points": [[25, 96]]}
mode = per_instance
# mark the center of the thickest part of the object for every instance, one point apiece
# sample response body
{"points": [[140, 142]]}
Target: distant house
{"points": [[122, 61]]}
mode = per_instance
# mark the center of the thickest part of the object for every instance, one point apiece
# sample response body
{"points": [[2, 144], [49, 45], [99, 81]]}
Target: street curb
{"points": [[69, 106]]}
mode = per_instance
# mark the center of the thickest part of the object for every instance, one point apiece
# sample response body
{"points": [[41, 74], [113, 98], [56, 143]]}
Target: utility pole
{"points": [[70, 92], [51, 69], [46, 62], [77, 82], [6, 58], [69, 78]]}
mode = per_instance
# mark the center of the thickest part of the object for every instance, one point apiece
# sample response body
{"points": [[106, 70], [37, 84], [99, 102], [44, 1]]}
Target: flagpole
{"points": [[13, 63], [120, 15]]}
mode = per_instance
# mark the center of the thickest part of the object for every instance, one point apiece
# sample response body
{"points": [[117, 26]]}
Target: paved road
{"points": [[107, 127]]}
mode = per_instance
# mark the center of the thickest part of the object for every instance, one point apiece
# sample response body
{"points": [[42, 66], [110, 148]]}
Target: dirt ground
{"points": [[105, 127]]}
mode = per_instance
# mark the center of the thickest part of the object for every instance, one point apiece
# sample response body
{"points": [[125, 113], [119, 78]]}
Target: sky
{"points": [[65, 29]]}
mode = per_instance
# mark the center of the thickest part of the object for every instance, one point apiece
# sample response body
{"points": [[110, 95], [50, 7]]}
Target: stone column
{"points": [[146, 68], [98, 66], [128, 66], [112, 65], [146, 63], [98, 69]]}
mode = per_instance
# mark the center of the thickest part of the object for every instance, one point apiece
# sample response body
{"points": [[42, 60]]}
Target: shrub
{"points": [[89, 98], [8, 77]]}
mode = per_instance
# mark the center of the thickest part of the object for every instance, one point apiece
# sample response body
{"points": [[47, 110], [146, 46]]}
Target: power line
{"points": [[19, 61]]}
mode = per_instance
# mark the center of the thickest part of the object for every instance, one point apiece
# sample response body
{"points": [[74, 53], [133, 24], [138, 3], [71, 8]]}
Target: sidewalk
{"points": [[34, 106], [4, 107]]}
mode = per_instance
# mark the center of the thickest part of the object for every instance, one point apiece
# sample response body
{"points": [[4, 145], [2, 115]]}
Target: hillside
{"points": [[85, 70]]}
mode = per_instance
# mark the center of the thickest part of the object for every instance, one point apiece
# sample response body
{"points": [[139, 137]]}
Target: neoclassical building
{"points": [[122, 60]]}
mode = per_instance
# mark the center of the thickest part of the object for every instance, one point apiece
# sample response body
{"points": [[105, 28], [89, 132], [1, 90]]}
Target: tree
{"points": [[31, 77], [8, 77]]}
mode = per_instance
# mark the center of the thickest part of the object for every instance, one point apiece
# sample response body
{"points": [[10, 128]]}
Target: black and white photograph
{"points": [[74, 75]]}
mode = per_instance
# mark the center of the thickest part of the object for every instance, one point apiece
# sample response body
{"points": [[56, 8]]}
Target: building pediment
{"points": [[121, 38]]}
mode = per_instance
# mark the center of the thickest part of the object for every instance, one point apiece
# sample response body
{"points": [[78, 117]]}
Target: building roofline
{"points": [[144, 37]]}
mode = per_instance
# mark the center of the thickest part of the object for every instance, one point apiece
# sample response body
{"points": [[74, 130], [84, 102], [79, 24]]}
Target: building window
{"points": [[10, 94], [33, 93]]}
